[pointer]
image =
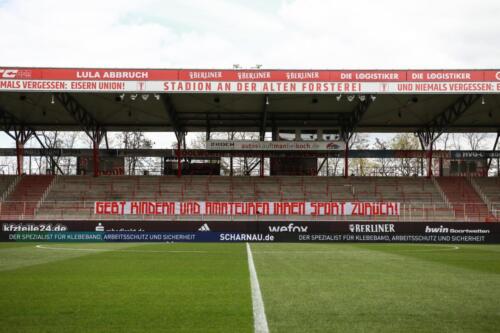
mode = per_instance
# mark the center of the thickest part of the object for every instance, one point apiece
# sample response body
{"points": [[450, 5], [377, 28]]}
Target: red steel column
{"points": [[429, 164], [20, 157], [96, 157], [346, 160], [179, 164]]}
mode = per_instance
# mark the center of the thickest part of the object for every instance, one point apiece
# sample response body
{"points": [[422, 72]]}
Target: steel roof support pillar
{"points": [[429, 162], [95, 157], [262, 133], [431, 132], [96, 137], [10, 123], [427, 139], [348, 127], [179, 131], [346, 159], [21, 136], [179, 163], [181, 142], [346, 137], [494, 148], [88, 123]]}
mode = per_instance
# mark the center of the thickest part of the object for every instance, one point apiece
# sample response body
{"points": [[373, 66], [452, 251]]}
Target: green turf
{"points": [[380, 287], [305, 287], [119, 291]]}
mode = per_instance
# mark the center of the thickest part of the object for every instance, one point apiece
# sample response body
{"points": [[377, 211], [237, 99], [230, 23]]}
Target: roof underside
{"points": [[244, 112]]}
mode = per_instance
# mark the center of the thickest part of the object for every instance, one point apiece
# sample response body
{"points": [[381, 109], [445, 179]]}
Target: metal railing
{"points": [[84, 210]]}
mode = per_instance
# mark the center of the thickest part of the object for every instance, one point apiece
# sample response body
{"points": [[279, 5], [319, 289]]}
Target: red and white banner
{"points": [[249, 81], [275, 145], [300, 208]]}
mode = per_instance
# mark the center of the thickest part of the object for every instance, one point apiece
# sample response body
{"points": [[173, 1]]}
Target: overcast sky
{"points": [[277, 34], [354, 34]]}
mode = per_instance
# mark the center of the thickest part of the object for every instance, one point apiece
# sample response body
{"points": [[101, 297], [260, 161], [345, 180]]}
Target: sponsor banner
{"points": [[249, 81], [264, 208], [217, 153], [474, 155], [275, 145], [251, 87], [222, 151], [259, 75], [218, 231], [445, 76]]}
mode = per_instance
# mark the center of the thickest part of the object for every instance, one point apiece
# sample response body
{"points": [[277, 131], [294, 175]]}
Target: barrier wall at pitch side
{"points": [[168, 231]]}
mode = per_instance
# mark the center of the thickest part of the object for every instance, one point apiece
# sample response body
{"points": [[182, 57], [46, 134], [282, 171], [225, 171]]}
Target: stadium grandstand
{"points": [[303, 118], [326, 235]]}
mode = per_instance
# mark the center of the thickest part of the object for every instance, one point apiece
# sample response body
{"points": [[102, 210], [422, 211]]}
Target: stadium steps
{"points": [[7, 184], [465, 201], [489, 190], [74, 196], [25, 197]]}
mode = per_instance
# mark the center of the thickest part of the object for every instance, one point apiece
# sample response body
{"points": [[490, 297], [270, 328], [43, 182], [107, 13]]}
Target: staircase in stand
{"points": [[465, 201], [23, 200]]}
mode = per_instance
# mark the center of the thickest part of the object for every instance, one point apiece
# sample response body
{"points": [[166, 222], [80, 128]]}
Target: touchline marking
{"points": [[336, 251], [259, 313], [114, 250], [68, 249]]}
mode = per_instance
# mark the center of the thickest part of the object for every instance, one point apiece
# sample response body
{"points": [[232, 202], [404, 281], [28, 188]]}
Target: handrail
{"points": [[479, 191], [11, 188], [45, 193], [424, 211], [440, 190]]}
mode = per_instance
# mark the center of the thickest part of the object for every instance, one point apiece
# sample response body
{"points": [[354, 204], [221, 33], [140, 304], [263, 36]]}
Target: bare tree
{"points": [[136, 140], [359, 166], [476, 141], [443, 142], [57, 140], [405, 141], [383, 165]]}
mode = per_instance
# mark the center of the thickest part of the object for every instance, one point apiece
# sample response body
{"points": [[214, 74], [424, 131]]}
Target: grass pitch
{"points": [[206, 288]]}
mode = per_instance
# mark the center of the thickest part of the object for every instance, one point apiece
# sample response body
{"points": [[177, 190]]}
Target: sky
{"points": [[306, 34], [276, 34]]}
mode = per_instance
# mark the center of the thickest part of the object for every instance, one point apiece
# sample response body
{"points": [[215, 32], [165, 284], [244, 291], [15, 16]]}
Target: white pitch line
{"points": [[336, 251], [259, 313], [68, 248]]}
